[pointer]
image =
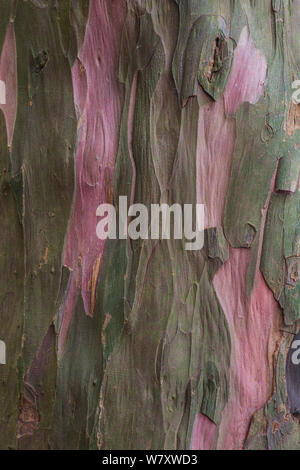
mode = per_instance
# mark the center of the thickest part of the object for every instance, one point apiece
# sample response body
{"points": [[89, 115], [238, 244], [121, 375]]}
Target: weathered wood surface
{"points": [[141, 344]]}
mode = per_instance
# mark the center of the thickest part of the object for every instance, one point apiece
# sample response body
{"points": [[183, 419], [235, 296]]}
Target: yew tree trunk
{"points": [[141, 344]]}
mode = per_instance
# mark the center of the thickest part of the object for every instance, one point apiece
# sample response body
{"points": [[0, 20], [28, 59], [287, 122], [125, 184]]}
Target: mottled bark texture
{"points": [[140, 344]]}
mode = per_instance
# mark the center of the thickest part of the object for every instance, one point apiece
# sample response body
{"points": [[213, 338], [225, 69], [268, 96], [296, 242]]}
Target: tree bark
{"points": [[140, 344]]}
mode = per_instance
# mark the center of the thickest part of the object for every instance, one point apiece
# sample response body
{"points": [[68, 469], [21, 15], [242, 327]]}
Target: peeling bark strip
{"points": [[98, 115], [141, 344], [8, 75]]}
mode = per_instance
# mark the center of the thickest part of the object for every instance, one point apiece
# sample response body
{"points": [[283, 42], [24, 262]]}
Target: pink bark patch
{"points": [[215, 144], [97, 96], [8, 75], [248, 74], [216, 129], [204, 433], [254, 327], [253, 322]]}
